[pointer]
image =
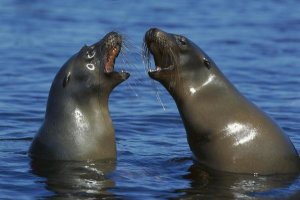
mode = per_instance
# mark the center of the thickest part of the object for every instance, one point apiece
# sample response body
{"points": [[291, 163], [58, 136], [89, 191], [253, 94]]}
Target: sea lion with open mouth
{"points": [[77, 124], [224, 130]]}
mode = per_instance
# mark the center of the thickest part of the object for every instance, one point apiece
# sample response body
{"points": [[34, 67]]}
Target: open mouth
{"points": [[156, 44], [113, 48], [111, 59]]}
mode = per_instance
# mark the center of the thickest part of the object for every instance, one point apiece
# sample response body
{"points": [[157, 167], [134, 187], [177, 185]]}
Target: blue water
{"points": [[255, 43]]}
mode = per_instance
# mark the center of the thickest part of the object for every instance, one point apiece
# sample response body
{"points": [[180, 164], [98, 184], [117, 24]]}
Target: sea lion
{"points": [[77, 124], [224, 130]]}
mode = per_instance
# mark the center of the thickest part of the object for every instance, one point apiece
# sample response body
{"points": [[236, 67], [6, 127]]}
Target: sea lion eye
{"points": [[206, 63], [90, 54]]}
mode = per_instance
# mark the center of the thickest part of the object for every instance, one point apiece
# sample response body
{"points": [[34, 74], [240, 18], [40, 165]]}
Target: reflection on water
{"points": [[209, 184], [79, 180]]}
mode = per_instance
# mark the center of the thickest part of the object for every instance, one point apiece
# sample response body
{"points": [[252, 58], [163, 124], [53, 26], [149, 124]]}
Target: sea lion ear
{"points": [[66, 79]]}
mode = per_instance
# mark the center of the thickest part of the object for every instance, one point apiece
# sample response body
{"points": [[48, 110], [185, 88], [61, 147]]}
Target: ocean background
{"points": [[255, 43]]}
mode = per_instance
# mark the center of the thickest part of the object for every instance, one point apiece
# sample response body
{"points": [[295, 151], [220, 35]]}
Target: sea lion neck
{"points": [[186, 84]]}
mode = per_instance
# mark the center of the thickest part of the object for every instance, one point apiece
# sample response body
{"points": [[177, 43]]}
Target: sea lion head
{"points": [[91, 71], [177, 59]]}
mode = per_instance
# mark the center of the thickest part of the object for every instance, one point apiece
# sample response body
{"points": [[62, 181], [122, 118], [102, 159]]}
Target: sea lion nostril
{"points": [[154, 30], [114, 40], [113, 34], [151, 33]]}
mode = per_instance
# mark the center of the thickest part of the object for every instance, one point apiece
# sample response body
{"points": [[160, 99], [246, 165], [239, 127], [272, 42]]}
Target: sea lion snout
{"points": [[113, 39], [157, 36], [152, 33]]}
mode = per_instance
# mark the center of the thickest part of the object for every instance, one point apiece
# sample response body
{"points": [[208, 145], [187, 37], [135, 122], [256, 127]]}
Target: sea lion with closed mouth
{"points": [[77, 124], [224, 130]]}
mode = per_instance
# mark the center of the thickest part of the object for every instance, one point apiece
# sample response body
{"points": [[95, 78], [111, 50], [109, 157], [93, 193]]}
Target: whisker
{"points": [[130, 57], [159, 99], [130, 45], [126, 62], [133, 66], [131, 88], [146, 55]]}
